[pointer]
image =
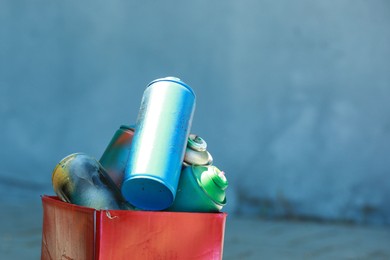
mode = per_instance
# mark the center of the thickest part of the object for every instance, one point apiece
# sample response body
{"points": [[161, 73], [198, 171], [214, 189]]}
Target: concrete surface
{"points": [[250, 238], [245, 238]]}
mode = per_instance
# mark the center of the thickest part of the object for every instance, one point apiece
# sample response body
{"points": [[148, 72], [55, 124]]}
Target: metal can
{"points": [[156, 154], [196, 153], [81, 180], [201, 189], [115, 156]]}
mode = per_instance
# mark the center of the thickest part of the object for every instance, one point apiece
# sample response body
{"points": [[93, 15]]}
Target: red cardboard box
{"points": [[75, 232]]}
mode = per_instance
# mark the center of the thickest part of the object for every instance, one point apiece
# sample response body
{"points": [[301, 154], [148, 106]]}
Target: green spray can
{"points": [[201, 189]]}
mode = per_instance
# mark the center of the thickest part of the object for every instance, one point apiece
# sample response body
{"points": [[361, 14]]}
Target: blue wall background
{"points": [[293, 96]]}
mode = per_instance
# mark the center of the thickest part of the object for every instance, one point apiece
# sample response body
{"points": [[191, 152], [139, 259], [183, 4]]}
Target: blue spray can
{"points": [[156, 154]]}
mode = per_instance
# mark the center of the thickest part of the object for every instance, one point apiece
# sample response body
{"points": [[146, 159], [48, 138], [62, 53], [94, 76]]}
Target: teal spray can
{"points": [[114, 158]]}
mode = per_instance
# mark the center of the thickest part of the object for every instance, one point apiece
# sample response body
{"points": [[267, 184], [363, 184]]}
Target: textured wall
{"points": [[293, 96]]}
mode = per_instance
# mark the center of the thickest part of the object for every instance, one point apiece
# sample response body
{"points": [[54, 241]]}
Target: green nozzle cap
{"points": [[213, 182], [220, 179]]}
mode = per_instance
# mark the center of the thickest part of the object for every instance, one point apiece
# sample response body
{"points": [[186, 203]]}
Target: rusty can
{"points": [[80, 179]]}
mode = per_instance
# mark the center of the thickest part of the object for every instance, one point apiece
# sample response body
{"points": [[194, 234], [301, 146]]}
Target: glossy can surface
{"points": [[156, 155], [115, 156]]}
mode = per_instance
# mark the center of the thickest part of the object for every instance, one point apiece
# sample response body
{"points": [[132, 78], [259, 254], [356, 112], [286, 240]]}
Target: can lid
{"points": [[175, 80], [196, 143]]}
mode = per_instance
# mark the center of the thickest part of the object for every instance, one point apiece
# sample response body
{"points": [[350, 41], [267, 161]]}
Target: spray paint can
{"points": [[156, 155], [201, 189], [81, 180], [115, 156], [196, 152]]}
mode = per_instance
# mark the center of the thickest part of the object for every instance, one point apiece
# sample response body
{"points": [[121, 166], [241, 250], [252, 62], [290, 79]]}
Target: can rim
{"points": [[175, 80], [127, 127]]}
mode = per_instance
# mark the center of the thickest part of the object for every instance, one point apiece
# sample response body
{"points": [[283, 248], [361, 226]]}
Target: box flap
{"points": [[68, 230]]}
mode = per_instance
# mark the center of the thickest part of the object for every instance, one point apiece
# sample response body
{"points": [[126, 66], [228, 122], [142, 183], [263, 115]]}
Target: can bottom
{"points": [[147, 193]]}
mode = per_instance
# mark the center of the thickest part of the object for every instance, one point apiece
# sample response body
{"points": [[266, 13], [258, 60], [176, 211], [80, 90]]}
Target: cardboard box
{"points": [[75, 232]]}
